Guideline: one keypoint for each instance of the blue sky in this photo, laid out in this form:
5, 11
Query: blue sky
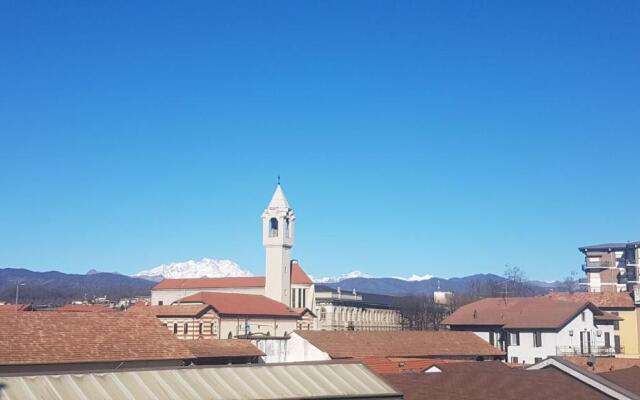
411, 137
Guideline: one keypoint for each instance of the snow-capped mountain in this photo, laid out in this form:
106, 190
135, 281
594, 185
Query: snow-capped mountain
415, 278
360, 274
338, 278
207, 267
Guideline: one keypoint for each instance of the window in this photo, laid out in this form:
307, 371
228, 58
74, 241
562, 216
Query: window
186, 328
607, 340
514, 339
212, 328
537, 339
200, 329
584, 316
514, 360
229, 336
160, 302
273, 227
175, 329
304, 298
537, 360
293, 298
492, 339
287, 233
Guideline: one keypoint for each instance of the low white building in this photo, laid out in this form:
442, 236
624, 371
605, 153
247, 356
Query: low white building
530, 329
337, 311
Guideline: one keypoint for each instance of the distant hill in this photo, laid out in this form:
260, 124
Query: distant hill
55, 287
401, 287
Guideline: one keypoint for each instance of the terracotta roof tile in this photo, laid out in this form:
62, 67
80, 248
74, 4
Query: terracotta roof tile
59, 337
390, 365
13, 308
242, 304
604, 300
183, 310
519, 312
628, 378
208, 348
85, 308
605, 364
298, 276
434, 344
483, 380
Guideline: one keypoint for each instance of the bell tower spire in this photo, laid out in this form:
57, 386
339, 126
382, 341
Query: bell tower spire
277, 238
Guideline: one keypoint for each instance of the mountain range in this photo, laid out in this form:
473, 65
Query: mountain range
207, 267
57, 287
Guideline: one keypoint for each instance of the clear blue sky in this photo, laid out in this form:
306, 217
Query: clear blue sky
447, 138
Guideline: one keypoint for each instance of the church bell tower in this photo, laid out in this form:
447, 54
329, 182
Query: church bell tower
277, 238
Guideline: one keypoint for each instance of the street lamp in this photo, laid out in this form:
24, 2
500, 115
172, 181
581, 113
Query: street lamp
18, 293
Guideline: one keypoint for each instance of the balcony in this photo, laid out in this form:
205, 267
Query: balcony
593, 350
590, 265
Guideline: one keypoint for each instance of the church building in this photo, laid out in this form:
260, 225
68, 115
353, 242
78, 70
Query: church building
285, 281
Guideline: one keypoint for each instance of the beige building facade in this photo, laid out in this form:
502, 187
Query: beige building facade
337, 311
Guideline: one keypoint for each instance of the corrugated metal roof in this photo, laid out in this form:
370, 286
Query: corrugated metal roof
291, 381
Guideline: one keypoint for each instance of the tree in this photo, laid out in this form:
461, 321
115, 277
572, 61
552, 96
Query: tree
516, 283
570, 283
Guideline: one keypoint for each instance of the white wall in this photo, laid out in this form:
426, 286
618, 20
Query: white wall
551, 341
294, 349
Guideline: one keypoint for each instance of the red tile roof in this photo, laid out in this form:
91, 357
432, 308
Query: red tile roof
182, 310
298, 276
628, 378
59, 337
491, 380
208, 348
605, 364
519, 312
85, 308
603, 300
433, 344
389, 365
242, 304
13, 308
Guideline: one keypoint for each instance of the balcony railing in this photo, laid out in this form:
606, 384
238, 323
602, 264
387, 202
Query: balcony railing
588, 351
595, 265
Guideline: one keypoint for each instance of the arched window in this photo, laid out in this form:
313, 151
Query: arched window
273, 227
229, 336
287, 232
285, 333
268, 333
175, 328
186, 328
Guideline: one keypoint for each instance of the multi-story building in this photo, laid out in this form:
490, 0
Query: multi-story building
338, 311
611, 267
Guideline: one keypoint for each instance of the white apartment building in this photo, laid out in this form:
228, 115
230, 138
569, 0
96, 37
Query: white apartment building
530, 329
